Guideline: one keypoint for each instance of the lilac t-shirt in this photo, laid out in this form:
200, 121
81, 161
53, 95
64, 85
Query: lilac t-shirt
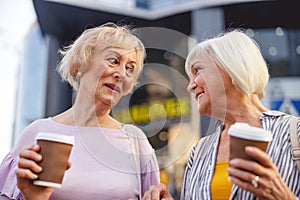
103, 165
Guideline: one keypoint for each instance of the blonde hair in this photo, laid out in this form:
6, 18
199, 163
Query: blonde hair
77, 56
239, 56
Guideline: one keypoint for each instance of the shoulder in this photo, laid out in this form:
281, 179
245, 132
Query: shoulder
276, 120
275, 116
35, 126
136, 131
27, 136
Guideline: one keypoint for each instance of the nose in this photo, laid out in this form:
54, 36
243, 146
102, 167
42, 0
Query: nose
120, 71
191, 86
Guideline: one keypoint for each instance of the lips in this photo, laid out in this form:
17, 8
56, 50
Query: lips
113, 87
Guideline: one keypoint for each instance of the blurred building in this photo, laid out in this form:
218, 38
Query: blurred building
31, 90
160, 104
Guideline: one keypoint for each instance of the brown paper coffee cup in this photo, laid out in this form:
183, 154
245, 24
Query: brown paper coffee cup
55, 150
242, 135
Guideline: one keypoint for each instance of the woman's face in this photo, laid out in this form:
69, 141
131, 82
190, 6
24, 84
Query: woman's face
111, 73
209, 85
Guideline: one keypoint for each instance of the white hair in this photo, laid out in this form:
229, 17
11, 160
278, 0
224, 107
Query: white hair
239, 56
77, 55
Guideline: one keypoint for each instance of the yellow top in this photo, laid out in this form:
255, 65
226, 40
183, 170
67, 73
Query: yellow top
220, 185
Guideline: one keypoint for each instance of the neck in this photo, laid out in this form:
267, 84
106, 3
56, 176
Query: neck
245, 109
87, 113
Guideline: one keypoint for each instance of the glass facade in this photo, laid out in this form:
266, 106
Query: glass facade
281, 49
31, 95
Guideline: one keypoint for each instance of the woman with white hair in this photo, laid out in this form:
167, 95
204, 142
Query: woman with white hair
228, 76
102, 65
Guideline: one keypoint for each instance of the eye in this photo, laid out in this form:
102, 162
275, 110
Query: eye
130, 69
113, 61
196, 69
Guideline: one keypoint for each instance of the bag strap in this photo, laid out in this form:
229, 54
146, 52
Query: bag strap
295, 149
135, 147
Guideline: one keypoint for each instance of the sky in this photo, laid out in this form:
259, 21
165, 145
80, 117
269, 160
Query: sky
16, 18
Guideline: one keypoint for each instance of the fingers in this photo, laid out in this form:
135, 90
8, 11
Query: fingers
263, 167
25, 174
157, 192
262, 190
259, 156
239, 166
27, 164
153, 193
248, 177
259, 185
31, 153
261, 178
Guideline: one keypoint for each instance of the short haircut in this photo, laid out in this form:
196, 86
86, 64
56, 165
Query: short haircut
239, 56
77, 55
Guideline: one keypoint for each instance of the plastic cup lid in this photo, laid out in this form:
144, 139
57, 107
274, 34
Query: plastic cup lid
55, 137
245, 131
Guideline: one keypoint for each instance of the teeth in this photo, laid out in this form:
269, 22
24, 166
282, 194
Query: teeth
200, 95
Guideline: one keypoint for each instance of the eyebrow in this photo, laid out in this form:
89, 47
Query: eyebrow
132, 62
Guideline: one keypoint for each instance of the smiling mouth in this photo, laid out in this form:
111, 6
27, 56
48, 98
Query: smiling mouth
113, 87
199, 95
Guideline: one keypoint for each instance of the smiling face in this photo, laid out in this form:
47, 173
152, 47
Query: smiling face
209, 86
111, 73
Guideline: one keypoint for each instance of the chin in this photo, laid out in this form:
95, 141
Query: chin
112, 103
202, 110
